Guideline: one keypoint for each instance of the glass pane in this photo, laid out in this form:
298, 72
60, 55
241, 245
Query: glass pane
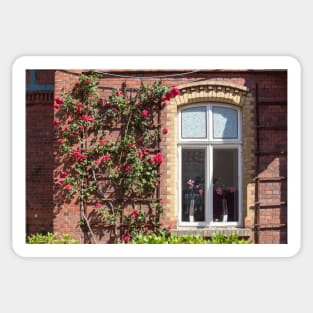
225, 123
225, 189
193, 184
193, 123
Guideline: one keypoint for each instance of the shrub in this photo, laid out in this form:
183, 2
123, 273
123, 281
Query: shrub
50, 238
194, 239
228, 239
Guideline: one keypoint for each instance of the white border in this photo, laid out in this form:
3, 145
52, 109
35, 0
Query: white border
156, 62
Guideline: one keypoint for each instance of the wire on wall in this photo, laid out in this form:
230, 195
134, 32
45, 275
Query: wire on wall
142, 77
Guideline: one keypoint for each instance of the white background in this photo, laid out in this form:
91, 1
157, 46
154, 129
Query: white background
154, 28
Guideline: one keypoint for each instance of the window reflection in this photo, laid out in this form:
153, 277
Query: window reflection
225, 191
193, 185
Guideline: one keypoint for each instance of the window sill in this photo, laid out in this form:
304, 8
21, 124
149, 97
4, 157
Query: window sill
209, 232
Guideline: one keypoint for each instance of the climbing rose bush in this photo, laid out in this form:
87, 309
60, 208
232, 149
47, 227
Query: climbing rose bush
124, 165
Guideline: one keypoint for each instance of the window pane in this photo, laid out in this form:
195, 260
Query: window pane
193, 122
225, 123
193, 184
225, 180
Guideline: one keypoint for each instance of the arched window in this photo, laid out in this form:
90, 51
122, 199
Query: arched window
209, 151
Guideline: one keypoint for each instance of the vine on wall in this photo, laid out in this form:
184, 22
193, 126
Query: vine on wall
109, 149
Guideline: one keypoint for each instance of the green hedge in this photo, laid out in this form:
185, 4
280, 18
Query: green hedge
50, 238
216, 239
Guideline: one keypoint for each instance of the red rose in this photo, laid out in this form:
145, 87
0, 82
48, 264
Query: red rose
87, 81
158, 159
56, 122
85, 118
127, 168
67, 187
77, 84
60, 141
63, 174
78, 155
106, 158
118, 93
144, 113
101, 100
59, 100
174, 91
134, 213
165, 131
126, 239
97, 205
166, 97
66, 128
79, 104
61, 181
80, 127
56, 106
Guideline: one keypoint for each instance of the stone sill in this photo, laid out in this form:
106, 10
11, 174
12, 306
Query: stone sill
209, 232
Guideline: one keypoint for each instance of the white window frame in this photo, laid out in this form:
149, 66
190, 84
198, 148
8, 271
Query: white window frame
208, 144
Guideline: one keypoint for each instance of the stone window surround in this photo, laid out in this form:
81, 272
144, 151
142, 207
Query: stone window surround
224, 92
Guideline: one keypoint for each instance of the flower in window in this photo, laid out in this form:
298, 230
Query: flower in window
200, 190
190, 183
219, 191
232, 189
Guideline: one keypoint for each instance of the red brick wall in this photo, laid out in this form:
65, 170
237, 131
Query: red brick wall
271, 217
39, 152
270, 89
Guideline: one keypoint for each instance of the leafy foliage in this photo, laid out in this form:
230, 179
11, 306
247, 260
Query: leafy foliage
109, 146
216, 239
50, 238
